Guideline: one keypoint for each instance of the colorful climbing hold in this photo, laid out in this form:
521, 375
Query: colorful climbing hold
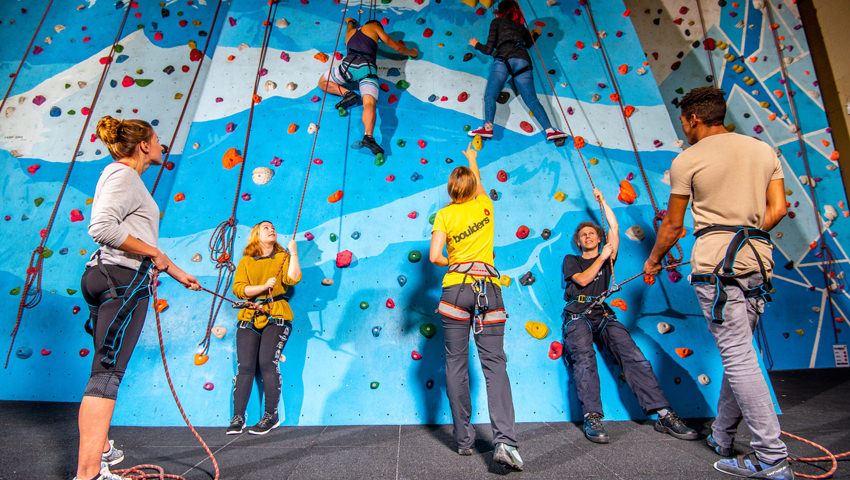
428, 330
619, 303
556, 349
414, 256
502, 176
684, 352
477, 142
538, 330
209, 386
415, 355
231, 158
343, 259
390, 303
522, 232
526, 127
578, 142
84, 352
627, 193
335, 197
77, 216
649, 279
201, 359
560, 196
160, 305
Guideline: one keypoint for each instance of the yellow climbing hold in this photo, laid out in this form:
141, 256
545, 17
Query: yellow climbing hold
764, 104
505, 280
594, 161
477, 142
560, 196
537, 330
470, 3
799, 331
89, 201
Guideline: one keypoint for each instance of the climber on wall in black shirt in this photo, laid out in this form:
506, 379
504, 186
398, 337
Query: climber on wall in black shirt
588, 319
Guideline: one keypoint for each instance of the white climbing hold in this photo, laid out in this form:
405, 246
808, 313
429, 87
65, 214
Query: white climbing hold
758, 4
636, 233
663, 327
197, 257
58, 28
830, 212
282, 357
9, 111
281, 23
218, 331
196, 146
291, 86
312, 128
551, 3
805, 180
679, 143
665, 179
262, 175
270, 85
242, 46
703, 379
640, 71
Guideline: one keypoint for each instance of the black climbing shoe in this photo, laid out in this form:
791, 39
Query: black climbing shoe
727, 452
464, 451
237, 424
594, 430
370, 143
265, 425
672, 424
508, 456
348, 100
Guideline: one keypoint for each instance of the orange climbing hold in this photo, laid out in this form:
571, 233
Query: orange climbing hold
321, 56
179, 197
578, 142
292, 128
335, 197
201, 359
160, 305
619, 303
231, 158
628, 110
834, 156
623, 69
627, 193
684, 352
649, 279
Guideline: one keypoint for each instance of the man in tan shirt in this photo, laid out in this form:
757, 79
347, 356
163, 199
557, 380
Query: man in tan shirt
738, 193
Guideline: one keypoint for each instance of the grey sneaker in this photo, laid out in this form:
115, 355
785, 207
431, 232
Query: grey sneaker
464, 451
105, 474
508, 456
748, 466
114, 456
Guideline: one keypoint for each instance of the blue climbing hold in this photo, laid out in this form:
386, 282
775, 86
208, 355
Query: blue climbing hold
432, 98
402, 280
416, 177
376, 330
113, 83
393, 72
55, 112
355, 235
155, 122
121, 58
23, 353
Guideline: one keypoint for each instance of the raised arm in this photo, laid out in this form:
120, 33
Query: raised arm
777, 206
613, 233
471, 155
396, 45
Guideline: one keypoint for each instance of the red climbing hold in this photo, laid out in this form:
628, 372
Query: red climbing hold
76, 215
709, 44
75, 310
318, 161
526, 127
415, 355
556, 349
385, 87
422, 143
335, 197
578, 142
427, 33
84, 352
390, 178
579, 44
462, 97
105, 60
623, 69
628, 110
392, 98
157, 36
390, 303
343, 259
179, 197
127, 81
33, 168
649, 279
45, 352
522, 232
502, 176
684, 352
195, 55
412, 215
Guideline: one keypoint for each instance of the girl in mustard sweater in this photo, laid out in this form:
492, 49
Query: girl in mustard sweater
262, 277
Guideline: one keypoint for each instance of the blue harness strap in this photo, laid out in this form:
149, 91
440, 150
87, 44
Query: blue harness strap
723, 275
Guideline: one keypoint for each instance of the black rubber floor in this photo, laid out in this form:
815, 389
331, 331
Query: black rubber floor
39, 442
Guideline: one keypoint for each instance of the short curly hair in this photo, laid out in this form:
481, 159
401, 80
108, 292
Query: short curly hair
582, 225
707, 103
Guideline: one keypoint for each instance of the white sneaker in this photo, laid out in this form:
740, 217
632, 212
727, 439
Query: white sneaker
114, 456
105, 474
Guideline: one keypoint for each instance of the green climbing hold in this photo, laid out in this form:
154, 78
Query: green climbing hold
71, 291
342, 112
401, 142
364, 305
449, 33
144, 82
427, 330
119, 48
15, 291
414, 256
38, 201
402, 84
467, 128
47, 253
379, 159
332, 237
680, 90
432, 218
375, 385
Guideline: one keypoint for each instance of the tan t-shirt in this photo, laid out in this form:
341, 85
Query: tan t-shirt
727, 176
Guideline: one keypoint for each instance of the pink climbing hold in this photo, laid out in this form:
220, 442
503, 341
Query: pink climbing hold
422, 143
556, 349
630, 176
230, 127
39, 99
37, 49
502, 176
390, 303
343, 259
45, 352
246, 196
76, 215
232, 21
385, 21
337, 56
526, 127
318, 161
412, 215
522, 232
462, 97
157, 36
284, 56
427, 33
315, 98
309, 236
392, 98
390, 178
674, 276
415, 355
209, 386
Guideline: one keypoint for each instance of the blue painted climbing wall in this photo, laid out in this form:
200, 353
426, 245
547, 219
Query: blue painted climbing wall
333, 359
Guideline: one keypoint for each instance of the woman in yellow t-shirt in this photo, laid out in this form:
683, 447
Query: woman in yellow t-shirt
472, 297
262, 277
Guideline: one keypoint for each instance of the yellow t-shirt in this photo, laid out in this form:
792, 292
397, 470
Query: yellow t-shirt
255, 271
469, 229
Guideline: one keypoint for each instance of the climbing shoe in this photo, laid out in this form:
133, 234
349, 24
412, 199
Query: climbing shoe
672, 424
594, 430
105, 474
370, 143
348, 100
464, 451
554, 135
114, 456
749, 466
265, 425
483, 132
508, 456
722, 451
237, 424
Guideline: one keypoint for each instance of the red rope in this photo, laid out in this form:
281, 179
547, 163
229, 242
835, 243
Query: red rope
34, 268
830, 457
138, 472
659, 214
188, 97
318, 125
26, 54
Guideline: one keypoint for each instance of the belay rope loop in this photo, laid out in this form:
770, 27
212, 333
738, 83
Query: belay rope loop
31, 293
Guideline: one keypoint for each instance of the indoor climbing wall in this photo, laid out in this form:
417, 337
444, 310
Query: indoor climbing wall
366, 346
739, 50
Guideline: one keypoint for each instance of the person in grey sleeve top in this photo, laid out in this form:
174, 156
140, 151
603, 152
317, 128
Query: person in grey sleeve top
116, 283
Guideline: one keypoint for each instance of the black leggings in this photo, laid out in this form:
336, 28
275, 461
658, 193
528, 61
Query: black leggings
264, 347
112, 352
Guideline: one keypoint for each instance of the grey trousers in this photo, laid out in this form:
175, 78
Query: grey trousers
743, 393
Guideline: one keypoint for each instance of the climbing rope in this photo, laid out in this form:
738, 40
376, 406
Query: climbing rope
318, 125
31, 293
26, 54
714, 80
138, 472
659, 214
188, 98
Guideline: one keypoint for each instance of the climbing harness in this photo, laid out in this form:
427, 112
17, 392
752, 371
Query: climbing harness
482, 273
723, 275
26, 54
31, 293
